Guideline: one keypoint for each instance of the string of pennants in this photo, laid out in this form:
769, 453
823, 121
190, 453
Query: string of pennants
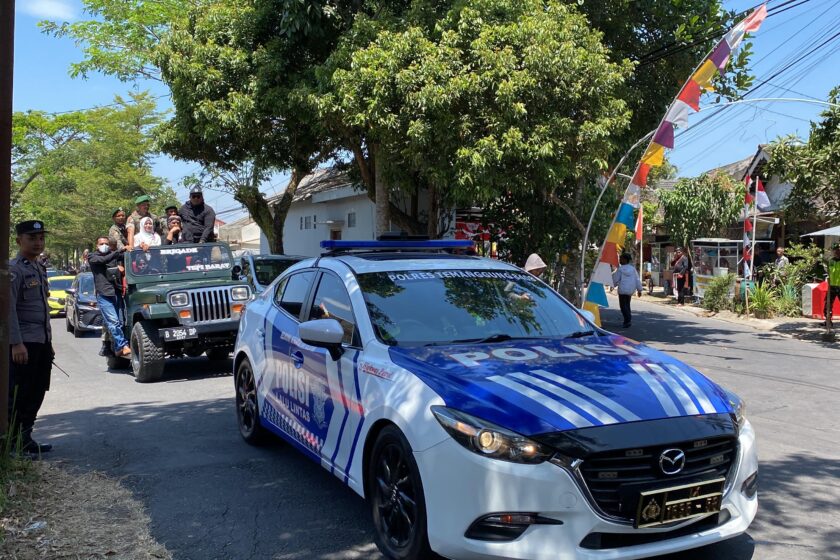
687, 100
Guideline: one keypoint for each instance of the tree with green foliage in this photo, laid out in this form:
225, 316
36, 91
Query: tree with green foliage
389, 83
701, 206
72, 170
812, 167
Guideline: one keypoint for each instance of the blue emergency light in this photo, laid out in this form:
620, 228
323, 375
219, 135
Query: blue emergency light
331, 245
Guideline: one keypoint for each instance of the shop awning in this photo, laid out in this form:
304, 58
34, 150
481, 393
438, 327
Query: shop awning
830, 231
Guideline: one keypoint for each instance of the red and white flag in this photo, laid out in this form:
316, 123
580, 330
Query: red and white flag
640, 225
762, 201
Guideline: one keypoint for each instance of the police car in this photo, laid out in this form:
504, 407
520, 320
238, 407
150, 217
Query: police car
483, 416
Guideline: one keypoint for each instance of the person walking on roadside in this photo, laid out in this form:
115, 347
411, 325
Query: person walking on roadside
132, 226
682, 269
118, 233
197, 218
30, 336
833, 282
535, 265
108, 296
626, 278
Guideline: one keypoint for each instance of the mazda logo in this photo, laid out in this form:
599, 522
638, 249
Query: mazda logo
672, 461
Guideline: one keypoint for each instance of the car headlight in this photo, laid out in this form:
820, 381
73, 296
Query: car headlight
179, 299
739, 408
240, 293
488, 439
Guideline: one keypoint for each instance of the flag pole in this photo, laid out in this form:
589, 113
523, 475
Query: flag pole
752, 244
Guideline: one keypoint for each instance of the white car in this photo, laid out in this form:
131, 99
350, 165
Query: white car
483, 416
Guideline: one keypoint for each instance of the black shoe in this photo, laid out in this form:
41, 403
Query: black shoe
34, 447
625, 326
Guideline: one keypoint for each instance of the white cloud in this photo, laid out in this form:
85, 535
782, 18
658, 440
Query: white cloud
48, 9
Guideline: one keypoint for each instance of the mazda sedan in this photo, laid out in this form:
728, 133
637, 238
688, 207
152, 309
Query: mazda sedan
482, 416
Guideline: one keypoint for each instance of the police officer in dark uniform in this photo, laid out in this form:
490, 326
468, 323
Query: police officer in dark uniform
30, 337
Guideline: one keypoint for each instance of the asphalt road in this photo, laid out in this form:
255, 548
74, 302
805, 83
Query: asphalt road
211, 496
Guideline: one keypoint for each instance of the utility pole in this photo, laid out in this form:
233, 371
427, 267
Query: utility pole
7, 51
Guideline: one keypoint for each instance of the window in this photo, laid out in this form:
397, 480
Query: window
301, 222
314, 222
351, 219
332, 302
294, 290
418, 307
307, 222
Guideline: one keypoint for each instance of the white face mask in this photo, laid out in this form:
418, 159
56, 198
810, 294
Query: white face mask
103, 248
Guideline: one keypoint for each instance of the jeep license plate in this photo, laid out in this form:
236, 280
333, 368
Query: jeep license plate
175, 334
660, 507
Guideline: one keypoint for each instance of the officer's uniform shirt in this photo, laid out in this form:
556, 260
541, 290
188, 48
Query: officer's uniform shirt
29, 315
118, 235
134, 218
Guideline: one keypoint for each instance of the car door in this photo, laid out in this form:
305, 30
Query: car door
336, 408
286, 401
70, 302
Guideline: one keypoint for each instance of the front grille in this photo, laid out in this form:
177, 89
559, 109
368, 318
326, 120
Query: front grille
93, 318
211, 304
615, 478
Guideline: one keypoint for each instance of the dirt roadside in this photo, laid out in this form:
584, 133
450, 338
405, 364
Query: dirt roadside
56, 514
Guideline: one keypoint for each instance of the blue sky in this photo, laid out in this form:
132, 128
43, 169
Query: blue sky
42, 82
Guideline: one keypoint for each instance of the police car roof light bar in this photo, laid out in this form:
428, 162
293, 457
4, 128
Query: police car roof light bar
344, 246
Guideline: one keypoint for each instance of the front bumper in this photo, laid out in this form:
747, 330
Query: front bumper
476, 486
56, 309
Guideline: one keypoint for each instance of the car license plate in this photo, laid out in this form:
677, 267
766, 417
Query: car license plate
175, 334
663, 506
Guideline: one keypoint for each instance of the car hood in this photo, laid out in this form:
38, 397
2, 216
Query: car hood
538, 386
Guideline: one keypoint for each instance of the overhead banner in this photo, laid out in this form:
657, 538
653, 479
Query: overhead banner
686, 101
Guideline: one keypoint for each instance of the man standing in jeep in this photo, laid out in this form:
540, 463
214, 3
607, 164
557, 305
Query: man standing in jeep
197, 218
107, 296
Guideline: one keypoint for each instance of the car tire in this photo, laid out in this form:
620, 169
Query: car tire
218, 354
77, 332
395, 495
115, 362
194, 352
69, 324
147, 359
247, 405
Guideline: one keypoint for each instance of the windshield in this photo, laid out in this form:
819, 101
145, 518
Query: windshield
86, 284
462, 306
179, 259
60, 284
266, 269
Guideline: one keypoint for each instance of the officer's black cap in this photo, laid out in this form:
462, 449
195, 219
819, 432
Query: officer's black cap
30, 226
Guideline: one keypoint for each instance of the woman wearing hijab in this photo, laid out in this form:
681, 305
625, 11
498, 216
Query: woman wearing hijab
146, 237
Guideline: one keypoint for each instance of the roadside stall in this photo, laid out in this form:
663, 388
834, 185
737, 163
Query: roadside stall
661, 254
712, 257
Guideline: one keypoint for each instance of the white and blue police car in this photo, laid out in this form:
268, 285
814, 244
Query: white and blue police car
483, 416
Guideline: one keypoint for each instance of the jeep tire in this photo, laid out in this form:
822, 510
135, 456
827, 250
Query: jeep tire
147, 358
218, 354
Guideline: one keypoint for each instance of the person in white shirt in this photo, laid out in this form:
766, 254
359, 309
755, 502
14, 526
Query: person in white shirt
626, 278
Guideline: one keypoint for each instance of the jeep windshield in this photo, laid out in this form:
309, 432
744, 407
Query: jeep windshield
179, 259
431, 307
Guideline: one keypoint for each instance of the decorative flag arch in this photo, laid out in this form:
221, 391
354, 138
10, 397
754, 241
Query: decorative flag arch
687, 100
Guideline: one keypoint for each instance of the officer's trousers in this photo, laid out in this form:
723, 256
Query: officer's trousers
28, 383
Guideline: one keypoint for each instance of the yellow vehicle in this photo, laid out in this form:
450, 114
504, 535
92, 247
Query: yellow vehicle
58, 285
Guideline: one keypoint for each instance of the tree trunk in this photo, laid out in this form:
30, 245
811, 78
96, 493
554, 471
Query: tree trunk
434, 217
282, 206
382, 197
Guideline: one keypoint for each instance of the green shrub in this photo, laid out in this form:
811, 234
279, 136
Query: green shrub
762, 302
716, 295
787, 301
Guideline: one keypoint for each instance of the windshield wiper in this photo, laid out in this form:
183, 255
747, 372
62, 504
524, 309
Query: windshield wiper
497, 337
580, 334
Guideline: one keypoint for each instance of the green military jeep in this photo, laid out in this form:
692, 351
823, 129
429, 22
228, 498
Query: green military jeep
181, 300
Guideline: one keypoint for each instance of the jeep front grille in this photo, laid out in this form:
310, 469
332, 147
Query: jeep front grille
210, 304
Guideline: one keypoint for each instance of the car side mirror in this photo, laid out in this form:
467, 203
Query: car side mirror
236, 272
323, 333
70, 291
588, 314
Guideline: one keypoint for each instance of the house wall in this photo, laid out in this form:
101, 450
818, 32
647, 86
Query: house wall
299, 240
